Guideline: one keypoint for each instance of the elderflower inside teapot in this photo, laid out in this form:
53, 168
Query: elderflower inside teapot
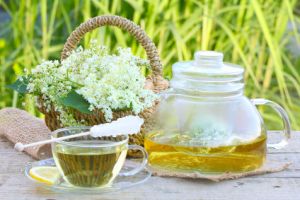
205, 123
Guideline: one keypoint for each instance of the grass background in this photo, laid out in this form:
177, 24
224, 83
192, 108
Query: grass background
261, 35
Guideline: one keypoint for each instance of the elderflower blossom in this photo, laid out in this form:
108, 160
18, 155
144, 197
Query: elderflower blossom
108, 82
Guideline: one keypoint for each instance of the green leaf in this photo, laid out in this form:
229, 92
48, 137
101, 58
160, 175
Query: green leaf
76, 101
20, 85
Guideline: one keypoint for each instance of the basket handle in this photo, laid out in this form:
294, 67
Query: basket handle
126, 25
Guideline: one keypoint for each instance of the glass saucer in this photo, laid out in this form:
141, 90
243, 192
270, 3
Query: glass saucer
121, 182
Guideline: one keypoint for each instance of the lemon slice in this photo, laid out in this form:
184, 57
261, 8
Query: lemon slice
48, 175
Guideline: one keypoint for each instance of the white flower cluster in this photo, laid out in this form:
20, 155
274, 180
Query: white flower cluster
109, 82
47, 80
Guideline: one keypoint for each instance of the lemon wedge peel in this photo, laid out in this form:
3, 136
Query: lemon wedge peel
47, 175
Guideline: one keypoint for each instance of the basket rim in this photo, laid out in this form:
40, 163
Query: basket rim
125, 24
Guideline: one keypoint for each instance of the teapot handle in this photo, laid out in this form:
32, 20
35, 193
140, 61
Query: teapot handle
286, 122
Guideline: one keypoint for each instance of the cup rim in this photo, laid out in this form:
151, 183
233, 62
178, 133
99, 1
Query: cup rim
86, 146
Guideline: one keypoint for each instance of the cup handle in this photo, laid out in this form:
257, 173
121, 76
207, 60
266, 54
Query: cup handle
286, 122
141, 166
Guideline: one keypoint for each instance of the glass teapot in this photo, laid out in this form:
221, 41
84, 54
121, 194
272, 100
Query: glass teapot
205, 123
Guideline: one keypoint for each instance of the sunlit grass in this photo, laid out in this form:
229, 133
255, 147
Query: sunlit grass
250, 33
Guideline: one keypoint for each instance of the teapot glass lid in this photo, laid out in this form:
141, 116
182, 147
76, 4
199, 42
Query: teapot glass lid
208, 73
207, 63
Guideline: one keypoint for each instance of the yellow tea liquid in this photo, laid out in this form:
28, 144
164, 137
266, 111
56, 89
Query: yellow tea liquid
236, 158
89, 167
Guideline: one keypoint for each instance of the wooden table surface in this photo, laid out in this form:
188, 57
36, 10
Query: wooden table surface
283, 185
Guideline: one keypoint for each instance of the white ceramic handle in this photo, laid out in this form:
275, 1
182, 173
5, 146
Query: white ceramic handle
284, 117
141, 166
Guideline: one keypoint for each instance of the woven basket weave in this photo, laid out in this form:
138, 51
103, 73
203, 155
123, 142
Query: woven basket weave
154, 82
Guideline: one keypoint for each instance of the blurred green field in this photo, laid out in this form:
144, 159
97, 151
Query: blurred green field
261, 35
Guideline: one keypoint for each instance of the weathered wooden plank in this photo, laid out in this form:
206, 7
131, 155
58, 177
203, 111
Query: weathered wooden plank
282, 185
170, 188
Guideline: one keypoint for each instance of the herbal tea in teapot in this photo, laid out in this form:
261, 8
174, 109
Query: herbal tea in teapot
205, 123
170, 153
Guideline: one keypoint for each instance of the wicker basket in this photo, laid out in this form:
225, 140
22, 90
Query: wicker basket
154, 82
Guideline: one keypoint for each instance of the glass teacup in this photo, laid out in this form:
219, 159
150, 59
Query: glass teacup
92, 162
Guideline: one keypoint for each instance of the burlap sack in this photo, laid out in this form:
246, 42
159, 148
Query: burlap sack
19, 126
270, 166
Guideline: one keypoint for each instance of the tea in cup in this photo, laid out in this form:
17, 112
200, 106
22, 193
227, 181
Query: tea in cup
92, 161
